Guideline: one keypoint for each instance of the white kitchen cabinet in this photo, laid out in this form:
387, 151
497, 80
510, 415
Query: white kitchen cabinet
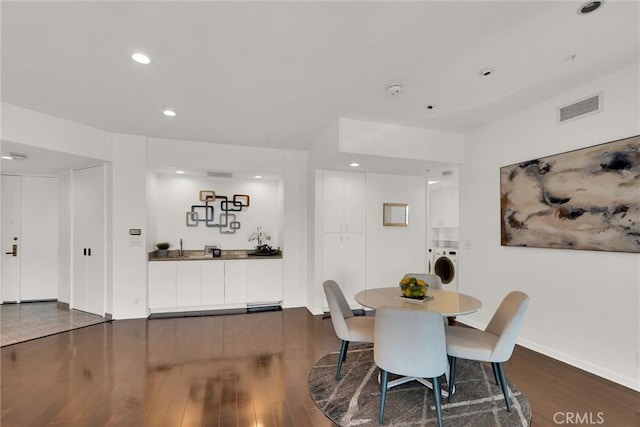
89, 237
162, 284
195, 285
264, 281
188, 283
343, 247
344, 261
343, 201
235, 281
212, 283
444, 208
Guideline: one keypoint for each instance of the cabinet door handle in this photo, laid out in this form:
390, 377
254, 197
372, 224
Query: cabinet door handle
89, 251
84, 252
14, 251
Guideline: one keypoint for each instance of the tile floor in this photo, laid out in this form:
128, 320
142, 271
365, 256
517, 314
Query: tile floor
29, 320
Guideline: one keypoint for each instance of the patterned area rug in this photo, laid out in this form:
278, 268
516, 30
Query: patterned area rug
354, 400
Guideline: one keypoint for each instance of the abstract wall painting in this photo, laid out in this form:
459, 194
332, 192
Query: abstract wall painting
586, 199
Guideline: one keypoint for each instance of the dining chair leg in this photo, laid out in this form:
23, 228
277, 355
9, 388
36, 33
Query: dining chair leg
505, 388
438, 398
496, 375
342, 357
452, 375
384, 378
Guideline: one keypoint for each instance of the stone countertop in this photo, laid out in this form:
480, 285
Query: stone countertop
199, 255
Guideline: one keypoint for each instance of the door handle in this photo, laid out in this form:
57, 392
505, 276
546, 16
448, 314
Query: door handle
14, 251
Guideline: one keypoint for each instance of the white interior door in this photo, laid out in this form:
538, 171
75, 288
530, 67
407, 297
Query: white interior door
88, 249
39, 249
11, 195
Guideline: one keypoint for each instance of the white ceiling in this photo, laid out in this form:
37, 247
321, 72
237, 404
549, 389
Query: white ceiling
40, 161
277, 74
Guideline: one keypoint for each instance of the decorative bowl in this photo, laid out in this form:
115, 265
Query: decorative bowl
413, 288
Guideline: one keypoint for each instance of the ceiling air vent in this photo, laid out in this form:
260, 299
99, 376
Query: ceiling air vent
582, 108
220, 174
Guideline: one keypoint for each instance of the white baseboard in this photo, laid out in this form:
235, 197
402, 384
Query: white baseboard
315, 311
626, 381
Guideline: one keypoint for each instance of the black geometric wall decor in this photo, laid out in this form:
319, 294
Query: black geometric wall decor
227, 223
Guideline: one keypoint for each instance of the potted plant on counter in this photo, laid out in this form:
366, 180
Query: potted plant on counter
162, 249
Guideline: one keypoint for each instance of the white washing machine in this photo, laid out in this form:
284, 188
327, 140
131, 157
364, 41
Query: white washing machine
430, 260
445, 265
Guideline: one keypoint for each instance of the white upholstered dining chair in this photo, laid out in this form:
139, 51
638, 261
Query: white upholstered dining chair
495, 344
349, 328
410, 343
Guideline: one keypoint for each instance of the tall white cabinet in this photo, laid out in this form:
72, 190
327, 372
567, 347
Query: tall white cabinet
344, 226
89, 240
444, 208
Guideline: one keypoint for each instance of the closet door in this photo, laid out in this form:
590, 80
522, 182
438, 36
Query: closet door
89, 240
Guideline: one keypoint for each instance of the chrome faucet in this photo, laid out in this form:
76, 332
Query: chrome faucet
180, 253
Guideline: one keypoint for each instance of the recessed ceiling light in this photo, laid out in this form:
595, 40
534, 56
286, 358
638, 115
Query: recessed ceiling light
141, 58
6, 157
433, 182
589, 7
486, 72
168, 112
258, 176
354, 165
180, 172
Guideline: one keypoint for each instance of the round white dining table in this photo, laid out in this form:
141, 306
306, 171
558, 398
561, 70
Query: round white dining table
447, 303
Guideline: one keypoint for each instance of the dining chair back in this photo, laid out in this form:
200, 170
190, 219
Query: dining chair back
348, 328
410, 343
505, 324
495, 344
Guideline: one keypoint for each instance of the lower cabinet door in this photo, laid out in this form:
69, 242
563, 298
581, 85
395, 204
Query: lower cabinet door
162, 284
188, 283
264, 281
235, 282
212, 283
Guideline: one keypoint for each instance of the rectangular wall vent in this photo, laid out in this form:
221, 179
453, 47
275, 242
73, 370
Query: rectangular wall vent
582, 108
220, 174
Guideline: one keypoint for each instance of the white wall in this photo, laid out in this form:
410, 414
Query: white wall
213, 157
584, 304
42, 130
64, 237
294, 229
379, 139
394, 251
127, 297
177, 193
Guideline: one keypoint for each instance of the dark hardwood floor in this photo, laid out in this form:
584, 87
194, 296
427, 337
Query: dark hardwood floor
236, 370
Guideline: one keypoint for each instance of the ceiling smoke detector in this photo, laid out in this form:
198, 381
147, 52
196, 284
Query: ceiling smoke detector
394, 89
